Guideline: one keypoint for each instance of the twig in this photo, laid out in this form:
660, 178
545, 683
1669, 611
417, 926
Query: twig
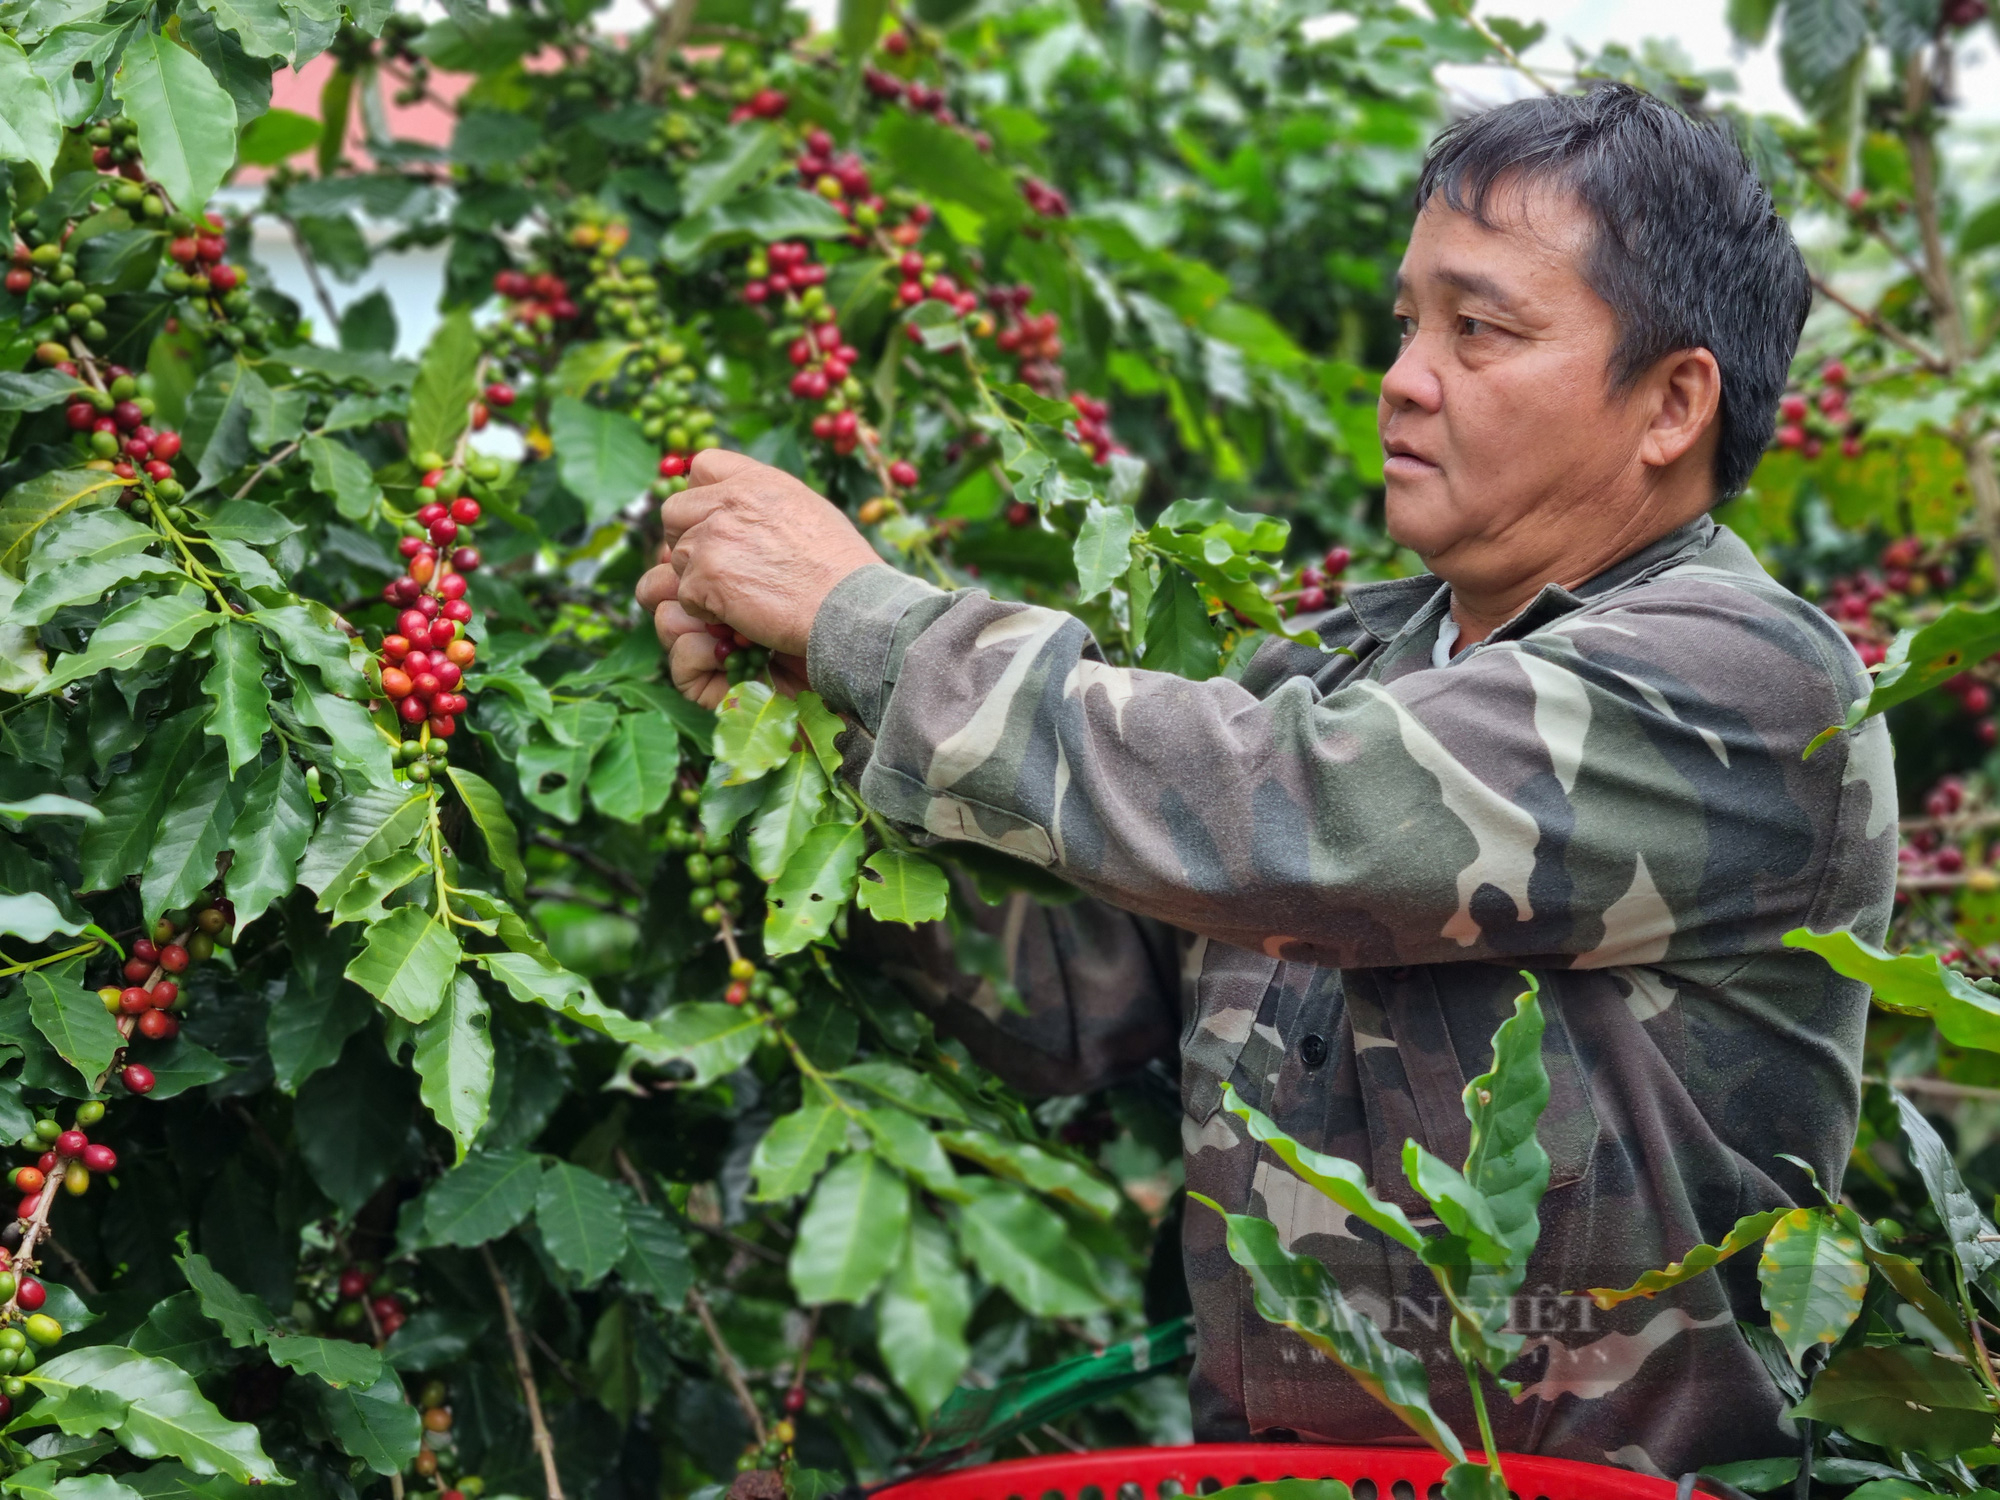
728, 1362
1941, 1088
544, 1444
76, 1270
1889, 331
736, 1241
562, 1365
313, 276
266, 467
620, 878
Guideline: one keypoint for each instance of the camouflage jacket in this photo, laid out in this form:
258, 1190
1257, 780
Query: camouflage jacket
1367, 848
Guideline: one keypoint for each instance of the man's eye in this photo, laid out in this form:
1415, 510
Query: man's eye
1406, 326
1471, 327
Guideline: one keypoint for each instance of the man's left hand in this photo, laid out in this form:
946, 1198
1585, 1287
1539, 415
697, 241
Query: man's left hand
752, 548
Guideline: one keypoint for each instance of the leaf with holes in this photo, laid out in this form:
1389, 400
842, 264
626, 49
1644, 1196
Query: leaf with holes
817, 883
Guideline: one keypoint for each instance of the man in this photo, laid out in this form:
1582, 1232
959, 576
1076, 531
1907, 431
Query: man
1575, 747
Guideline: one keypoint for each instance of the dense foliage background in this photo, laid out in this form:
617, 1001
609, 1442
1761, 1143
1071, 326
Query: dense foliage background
474, 1123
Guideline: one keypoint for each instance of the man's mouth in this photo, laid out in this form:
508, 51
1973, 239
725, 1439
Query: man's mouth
1403, 461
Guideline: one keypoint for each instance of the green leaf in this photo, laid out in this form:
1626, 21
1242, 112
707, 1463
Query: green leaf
441, 397
50, 805
307, 634
40, 1481
851, 1233
906, 1142
736, 157
586, 366
1901, 1397
34, 916
1818, 50
921, 1317
1286, 1489
38, 390
1103, 548
482, 1198
342, 475
822, 727
88, 573
911, 889
1026, 1249
358, 831
1912, 984
859, 24
337, 1362
374, 1423
165, 1415
634, 773
581, 1220
1338, 1178
407, 962
169, 621
795, 798
904, 1087
503, 841
242, 702
1042, 1170
277, 136
656, 1257
754, 729
260, 25
793, 1152
195, 830
187, 121
454, 1061
816, 884
1296, 1291
537, 980
73, 1019
1813, 1276
1179, 638
176, 1331
242, 1316
270, 837
181, 1065
30, 129
1967, 1227
132, 805
603, 457
1747, 1231
772, 213
34, 504
938, 162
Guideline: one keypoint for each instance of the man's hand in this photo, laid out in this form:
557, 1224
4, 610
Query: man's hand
750, 547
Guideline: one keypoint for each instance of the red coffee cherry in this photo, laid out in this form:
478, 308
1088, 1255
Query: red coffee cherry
167, 446
137, 969
31, 1294
29, 1179
71, 1143
174, 958
158, 1025
102, 1158
466, 559
353, 1283
133, 999
165, 993
138, 1078
465, 510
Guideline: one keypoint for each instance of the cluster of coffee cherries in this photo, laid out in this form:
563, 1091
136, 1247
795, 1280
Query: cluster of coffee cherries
66, 1157
1976, 699
539, 300
423, 660
112, 424
434, 1402
148, 999
364, 1291
917, 97
760, 1470
841, 178
924, 279
1033, 339
737, 654
1808, 421
1318, 584
750, 985
717, 892
1856, 600
1046, 201
1929, 850
760, 104
46, 275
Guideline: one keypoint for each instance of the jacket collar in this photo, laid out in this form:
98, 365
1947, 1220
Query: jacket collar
1388, 608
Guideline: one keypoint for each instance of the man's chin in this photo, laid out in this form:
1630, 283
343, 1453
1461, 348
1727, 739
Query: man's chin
1418, 514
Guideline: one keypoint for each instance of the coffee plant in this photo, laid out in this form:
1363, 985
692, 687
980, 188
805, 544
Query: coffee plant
489, 1084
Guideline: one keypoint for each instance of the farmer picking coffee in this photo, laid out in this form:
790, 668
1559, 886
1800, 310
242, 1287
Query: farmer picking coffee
1573, 747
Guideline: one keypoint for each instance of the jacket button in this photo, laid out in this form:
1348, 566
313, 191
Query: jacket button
1312, 1049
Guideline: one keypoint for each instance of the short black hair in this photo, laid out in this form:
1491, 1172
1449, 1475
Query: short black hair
1690, 252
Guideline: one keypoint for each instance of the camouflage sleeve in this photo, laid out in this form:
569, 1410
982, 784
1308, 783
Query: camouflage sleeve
1623, 787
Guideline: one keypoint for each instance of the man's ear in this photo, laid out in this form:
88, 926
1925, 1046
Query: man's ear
1685, 392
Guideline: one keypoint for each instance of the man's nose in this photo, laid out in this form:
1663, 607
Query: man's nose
1412, 381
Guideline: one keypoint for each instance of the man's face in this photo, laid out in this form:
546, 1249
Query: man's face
1500, 425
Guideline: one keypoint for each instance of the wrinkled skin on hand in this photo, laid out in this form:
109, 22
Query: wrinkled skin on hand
750, 547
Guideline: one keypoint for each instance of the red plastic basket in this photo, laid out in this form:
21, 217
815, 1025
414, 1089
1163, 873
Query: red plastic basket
1162, 1473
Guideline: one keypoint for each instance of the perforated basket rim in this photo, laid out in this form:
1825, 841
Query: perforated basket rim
1066, 1474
